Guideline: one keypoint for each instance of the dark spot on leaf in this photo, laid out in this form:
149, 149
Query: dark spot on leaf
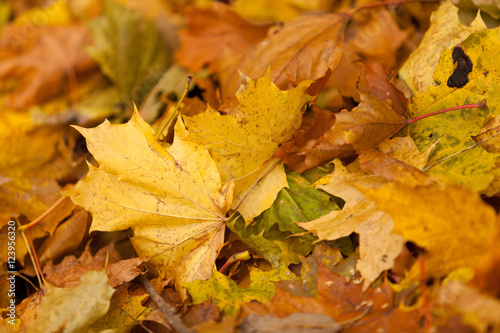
464, 66
430, 135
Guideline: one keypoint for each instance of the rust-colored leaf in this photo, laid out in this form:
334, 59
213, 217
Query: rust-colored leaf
211, 30
302, 49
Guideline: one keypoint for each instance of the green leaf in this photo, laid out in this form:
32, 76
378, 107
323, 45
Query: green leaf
274, 234
129, 51
229, 297
473, 168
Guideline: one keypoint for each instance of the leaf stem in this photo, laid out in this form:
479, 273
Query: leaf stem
245, 255
480, 105
44, 215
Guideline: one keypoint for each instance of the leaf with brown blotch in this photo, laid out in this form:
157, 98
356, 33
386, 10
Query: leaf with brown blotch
172, 197
43, 64
302, 49
210, 30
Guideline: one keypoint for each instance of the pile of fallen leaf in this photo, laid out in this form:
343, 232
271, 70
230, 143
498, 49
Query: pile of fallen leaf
257, 166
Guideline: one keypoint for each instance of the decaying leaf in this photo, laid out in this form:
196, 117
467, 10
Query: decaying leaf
338, 298
362, 128
69, 271
42, 66
171, 198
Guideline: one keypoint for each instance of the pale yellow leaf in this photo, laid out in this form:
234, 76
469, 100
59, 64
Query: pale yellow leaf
171, 198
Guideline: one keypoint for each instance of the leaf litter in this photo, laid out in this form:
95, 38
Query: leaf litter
300, 180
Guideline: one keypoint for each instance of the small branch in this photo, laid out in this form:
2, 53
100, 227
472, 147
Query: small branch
168, 310
480, 105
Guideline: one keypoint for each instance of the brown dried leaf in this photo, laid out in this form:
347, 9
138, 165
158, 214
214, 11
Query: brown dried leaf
302, 49
44, 62
209, 31
392, 169
371, 36
67, 273
362, 128
381, 85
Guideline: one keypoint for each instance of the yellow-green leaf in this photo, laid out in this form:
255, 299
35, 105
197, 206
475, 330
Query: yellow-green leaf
445, 32
229, 297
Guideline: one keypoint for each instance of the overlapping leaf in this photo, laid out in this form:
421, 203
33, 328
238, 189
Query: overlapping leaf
171, 198
273, 233
242, 143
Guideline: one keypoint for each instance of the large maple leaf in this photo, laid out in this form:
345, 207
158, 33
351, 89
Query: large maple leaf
171, 198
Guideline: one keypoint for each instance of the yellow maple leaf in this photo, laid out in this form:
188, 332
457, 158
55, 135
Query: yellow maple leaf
171, 198
242, 142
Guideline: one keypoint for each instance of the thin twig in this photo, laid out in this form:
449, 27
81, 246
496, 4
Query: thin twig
168, 310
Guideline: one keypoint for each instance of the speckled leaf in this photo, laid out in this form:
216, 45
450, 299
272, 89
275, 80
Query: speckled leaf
453, 130
171, 198
124, 313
